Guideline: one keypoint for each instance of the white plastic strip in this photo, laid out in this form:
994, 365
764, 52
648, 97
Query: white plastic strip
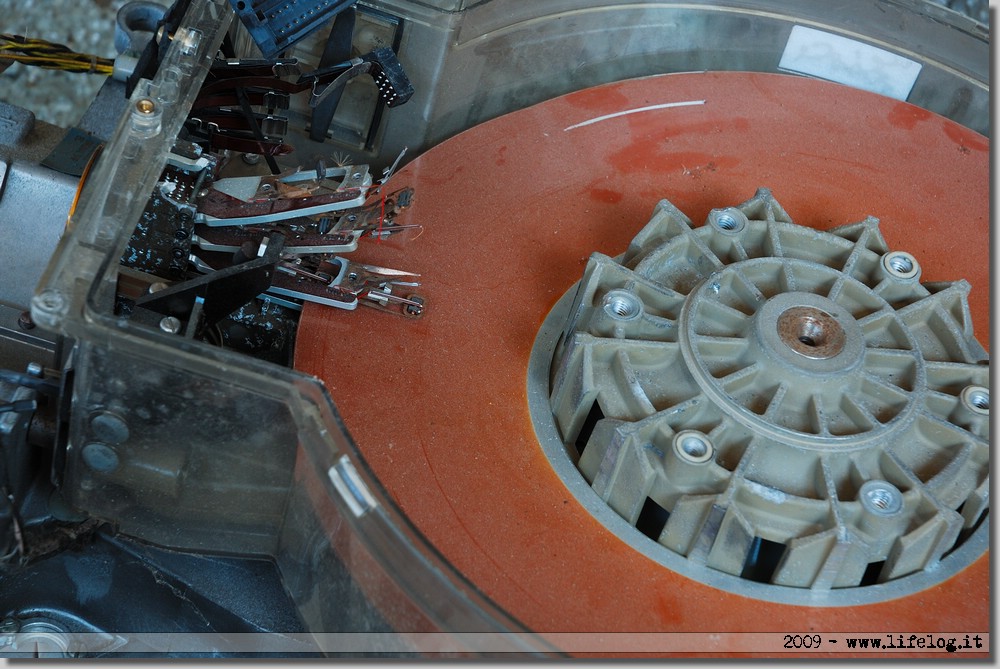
849, 62
638, 110
352, 489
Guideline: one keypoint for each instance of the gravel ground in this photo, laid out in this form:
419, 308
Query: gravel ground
87, 26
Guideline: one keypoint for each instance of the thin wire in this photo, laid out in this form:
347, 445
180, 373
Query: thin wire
51, 55
79, 186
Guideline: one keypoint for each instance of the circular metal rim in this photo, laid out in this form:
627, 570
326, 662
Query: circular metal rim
549, 336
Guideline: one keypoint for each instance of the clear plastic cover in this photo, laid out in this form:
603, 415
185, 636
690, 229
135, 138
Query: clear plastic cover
197, 448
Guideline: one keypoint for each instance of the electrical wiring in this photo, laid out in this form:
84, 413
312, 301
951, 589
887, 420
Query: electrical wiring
50, 55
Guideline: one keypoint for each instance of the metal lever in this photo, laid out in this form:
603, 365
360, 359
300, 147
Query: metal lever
343, 284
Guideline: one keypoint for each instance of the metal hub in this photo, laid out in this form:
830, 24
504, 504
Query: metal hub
776, 403
811, 332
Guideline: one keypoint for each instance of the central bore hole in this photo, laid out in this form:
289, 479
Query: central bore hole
811, 332
694, 447
621, 305
901, 264
880, 499
727, 222
980, 400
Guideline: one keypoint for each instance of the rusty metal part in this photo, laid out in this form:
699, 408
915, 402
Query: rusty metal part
301, 235
258, 200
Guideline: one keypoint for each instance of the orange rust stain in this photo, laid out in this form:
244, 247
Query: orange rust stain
606, 195
610, 97
714, 126
660, 156
966, 138
906, 116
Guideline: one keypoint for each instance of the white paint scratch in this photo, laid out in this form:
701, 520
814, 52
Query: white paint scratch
767, 492
668, 105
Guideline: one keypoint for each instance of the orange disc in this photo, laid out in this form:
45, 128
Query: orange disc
512, 209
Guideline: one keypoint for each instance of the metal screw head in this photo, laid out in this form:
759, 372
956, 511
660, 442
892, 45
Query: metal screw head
24, 321
730, 221
100, 457
901, 265
880, 498
49, 301
109, 427
622, 305
145, 106
693, 446
977, 399
170, 325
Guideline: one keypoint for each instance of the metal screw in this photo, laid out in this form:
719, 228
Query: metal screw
693, 446
881, 498
170, 325
49, 301
109, 427
24, 321
729, 220
901, 265
622, 305
977, 399
100, 457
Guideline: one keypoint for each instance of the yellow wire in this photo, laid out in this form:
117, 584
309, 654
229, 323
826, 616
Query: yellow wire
34, 51
79, 186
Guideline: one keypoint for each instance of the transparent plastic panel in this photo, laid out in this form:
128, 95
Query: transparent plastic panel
197, 448
115, 194
494, 57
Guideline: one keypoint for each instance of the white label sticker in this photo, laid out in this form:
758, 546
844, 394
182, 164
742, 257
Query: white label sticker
849, 62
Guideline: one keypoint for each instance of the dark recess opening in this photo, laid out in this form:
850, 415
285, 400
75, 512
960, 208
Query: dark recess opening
593, 417
871, 573
966, 532
762, 560
652, 519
